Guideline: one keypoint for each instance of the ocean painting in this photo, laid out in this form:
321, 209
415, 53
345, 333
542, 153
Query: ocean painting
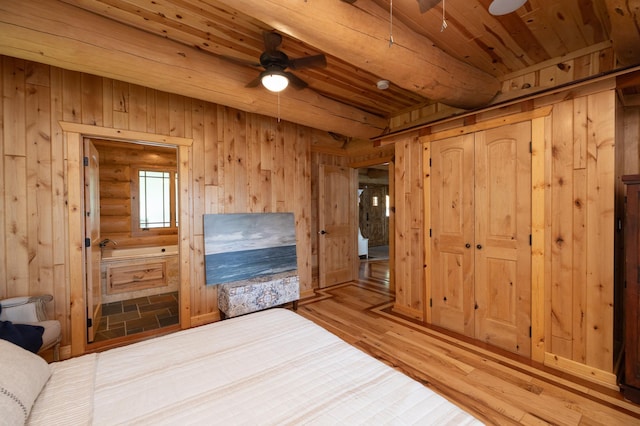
244, 246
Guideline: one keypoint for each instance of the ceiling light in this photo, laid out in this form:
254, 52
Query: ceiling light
502, 7
274, 80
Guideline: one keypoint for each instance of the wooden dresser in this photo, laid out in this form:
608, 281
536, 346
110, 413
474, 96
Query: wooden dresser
631, 380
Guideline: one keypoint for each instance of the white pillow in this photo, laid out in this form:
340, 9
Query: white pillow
22, 377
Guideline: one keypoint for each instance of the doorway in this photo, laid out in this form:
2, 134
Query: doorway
374, 214
135, 278
74, 134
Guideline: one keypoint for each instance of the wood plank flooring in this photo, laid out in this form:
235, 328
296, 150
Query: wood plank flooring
497, 387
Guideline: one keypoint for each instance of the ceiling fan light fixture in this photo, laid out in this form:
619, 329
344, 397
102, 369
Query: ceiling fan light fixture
503, 7
274, 80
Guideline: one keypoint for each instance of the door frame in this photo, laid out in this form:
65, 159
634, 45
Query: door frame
390, 160
93, 253
74, 135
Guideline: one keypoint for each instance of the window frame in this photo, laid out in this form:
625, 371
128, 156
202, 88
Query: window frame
136, 230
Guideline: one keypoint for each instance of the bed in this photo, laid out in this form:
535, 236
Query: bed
269, 367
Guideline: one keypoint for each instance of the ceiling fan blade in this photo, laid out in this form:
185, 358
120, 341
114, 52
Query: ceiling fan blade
255, 82
271, 41
296, 82
240, 61
308, 62
426, 5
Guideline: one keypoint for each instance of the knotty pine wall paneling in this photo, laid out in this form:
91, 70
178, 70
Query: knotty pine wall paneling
240, 162
581, 223
409, 227
575, 180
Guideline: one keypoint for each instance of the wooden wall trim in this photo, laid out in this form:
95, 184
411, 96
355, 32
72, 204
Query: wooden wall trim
426, 209
489, 124
76, 267
371, 162
539, 127
592, 374
123, 135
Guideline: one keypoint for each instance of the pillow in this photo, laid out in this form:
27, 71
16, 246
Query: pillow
22, 377
26, 336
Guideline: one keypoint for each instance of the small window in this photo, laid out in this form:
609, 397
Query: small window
154, 201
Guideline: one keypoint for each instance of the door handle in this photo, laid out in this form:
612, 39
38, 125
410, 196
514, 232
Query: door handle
323, 232
467, 245
479, 246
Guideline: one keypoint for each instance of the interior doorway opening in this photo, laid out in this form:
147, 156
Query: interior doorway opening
375, 219
136, 281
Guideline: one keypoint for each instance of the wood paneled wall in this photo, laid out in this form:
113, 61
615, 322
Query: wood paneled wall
409, 227
574, 169
580, 221
240, 162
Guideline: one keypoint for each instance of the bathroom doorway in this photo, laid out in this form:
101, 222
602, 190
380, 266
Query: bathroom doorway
138, 280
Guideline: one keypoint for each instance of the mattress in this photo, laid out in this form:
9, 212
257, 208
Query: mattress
269, 367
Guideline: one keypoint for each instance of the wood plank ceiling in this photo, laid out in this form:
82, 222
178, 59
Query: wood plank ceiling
461, 65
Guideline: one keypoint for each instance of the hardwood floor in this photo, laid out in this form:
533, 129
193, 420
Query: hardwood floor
496, 387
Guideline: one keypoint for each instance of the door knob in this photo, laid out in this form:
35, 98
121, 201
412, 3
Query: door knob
467, 245
323, 232
479, 246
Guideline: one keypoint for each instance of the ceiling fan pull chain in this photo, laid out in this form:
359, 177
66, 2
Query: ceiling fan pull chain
390, 23
444, 22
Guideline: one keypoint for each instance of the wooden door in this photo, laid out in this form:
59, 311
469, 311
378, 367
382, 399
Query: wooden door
337, 239
452, 219
92, 234
502, 237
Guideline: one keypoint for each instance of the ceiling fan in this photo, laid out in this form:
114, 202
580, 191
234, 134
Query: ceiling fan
275, 63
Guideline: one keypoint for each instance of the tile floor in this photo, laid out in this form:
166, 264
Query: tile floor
137, 315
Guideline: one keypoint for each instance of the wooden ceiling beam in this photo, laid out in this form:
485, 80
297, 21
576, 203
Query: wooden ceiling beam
625, 21
61, 35
359, 34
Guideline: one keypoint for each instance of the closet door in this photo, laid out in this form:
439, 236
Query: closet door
452, 218
502, 237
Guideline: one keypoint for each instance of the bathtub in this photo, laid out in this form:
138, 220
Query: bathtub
139, 252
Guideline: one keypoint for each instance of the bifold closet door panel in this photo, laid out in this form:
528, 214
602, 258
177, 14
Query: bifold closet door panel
452, 219
502, 237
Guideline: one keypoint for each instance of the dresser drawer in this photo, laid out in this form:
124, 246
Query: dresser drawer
138, 276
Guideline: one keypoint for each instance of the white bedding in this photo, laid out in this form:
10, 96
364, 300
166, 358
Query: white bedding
270, 367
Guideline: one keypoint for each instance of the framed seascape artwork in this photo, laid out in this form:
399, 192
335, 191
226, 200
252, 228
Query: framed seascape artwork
244, 246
